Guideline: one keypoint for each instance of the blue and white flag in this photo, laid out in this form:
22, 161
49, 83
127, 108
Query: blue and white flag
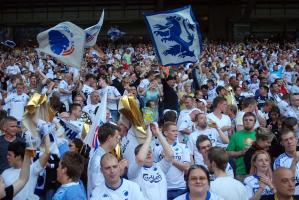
9, 43
115, 33
176, 36
65, 42
92, 137
70, 130
93, 32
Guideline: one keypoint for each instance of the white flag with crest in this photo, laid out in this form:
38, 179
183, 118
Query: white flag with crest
65, 42
93, 32
176, 36
92, 138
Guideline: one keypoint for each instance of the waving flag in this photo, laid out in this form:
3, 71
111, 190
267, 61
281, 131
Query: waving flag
71, 131
93, 32
92, 137
176, 36
65, 42
115, 33
9, 43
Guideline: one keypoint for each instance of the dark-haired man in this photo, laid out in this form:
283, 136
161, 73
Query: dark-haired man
15, 157
68, 174
113, 96
240, 142
223, 183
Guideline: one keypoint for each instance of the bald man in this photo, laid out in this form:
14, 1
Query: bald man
284, 182
115, 187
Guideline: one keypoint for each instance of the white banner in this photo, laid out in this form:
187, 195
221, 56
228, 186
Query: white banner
92, 138
65, 42
93, 32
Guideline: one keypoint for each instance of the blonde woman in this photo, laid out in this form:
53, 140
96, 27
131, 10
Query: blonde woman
259, 183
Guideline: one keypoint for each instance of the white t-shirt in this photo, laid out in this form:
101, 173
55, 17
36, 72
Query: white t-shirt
213, 136
64, 97
228, 188
94, 174
87, 90
224, 121
184, 122
294, 89
144, 83
152, 180
174, 176
13, 69
90, 109
16, 104
78, 124
284, 160
252, 185
112, 92
127, 190
210, 196
10, 175
248, 93
254, 87
239, 119
128, 145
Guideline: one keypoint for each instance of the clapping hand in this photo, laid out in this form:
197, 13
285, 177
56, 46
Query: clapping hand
154, 129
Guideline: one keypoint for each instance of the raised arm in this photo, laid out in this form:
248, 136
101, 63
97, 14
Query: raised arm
45, 157
166, 147
141, 156
24, 175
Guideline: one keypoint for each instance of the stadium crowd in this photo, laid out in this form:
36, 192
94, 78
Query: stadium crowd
225, 127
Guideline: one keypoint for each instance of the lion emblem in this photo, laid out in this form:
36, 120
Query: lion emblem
172, 31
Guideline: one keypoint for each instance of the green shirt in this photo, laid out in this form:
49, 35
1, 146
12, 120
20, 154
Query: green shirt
238, 142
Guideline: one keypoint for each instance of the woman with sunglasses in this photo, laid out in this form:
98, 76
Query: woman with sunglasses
198, 183
259, 183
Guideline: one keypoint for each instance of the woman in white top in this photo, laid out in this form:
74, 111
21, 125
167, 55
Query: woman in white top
259, 183
198, 183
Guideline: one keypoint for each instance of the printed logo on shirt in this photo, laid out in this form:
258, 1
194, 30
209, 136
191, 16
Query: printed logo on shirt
152, 178
124, 147
126, 194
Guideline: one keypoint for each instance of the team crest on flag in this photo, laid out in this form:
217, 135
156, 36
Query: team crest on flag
93, 32
176, 36
65, 42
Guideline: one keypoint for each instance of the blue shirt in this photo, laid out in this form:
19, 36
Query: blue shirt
70, 191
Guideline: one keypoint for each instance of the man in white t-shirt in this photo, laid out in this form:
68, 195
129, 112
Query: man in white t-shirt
249, 105
176, 184
222, 121
75, 114
113, 96
108, 139
216, 136
114, 187
186, 125
66, 88
290, 158
91, 107
203, 145
223, 183
12, 69
148, 175
189, 104
15, 156
16, 102
87, 86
